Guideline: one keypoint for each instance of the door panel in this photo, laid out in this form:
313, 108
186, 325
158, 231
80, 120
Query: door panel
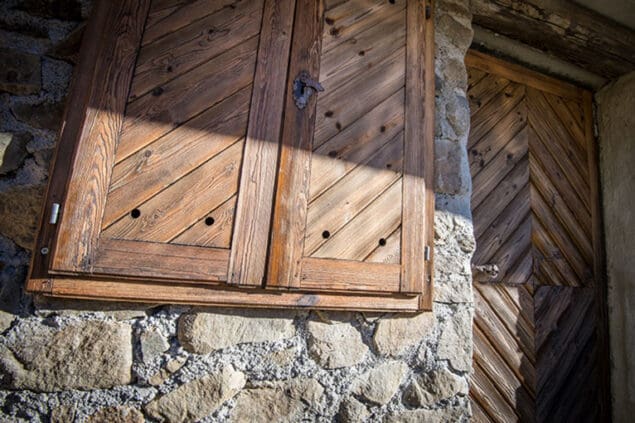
537, 350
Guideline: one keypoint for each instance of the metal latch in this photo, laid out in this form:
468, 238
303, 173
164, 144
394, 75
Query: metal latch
426, 253
55, 212
303, 88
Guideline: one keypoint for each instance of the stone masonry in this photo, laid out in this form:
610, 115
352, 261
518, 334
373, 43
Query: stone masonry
80, 361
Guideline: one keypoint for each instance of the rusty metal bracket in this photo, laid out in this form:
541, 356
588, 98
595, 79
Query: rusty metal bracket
303, 88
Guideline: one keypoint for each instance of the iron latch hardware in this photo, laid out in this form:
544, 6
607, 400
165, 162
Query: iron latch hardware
426, 253
303, 88
55, 212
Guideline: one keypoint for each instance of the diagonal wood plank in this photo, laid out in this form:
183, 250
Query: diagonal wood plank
212, 230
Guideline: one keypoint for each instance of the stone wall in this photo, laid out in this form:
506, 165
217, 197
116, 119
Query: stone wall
616, 120
66, 361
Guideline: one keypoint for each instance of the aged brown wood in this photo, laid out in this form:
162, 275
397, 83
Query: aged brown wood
257, 181
537, 350
70, 131
564, 29
171, 293
291, 201
343, 275
418, 172
90, 173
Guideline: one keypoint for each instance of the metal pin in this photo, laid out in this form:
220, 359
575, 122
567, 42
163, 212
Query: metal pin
55, 212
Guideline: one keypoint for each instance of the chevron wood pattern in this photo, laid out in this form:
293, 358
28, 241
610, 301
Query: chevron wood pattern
358, 142
177, 165
536, 355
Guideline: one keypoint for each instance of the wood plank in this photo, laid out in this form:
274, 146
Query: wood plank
521, 75
354, 146
79, 226
258, 174
344, 200
599, 262
549, 166
170, 293
361, 235
180, 205
389, 252
560, 237
291, 201
69, 135
553, 268
474, 76
418, 178
161, 261
191, 46
572, 124
488, 396
167, 16
515, 185
345, 20
212, 230
151, 116
489, 116
515, 392
504, 161
563, 29
342, 275
367, 49
485, 90
338, 109
177, 153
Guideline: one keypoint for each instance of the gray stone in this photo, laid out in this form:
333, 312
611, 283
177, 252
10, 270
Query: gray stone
430, 388
170, 368
205, 332
153, 344
5, 320
41, 116
455, 341
452, 177
380, 384
19, 212
352, 411
21, 72
440, 415
13, 150
335, 344
117, 415
280, 402
198, 398
63, 414
86, 355
396, 333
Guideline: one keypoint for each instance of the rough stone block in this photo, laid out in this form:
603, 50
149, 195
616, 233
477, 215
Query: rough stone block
13, 150
455, 342
352, 411
21, 72
205, 332
394, 334
380, 384
19, 211
41, 116
452, 175
153, 344
86, 355
117, 415
280, 402
430, 388
439, 415
335, 344
198, 398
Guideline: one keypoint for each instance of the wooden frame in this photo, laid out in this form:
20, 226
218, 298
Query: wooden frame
71, 260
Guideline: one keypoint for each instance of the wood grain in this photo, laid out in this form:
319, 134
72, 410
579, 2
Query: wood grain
349, 276
258, 174
83, 207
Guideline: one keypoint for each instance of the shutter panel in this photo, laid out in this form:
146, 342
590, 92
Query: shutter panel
168, 118
354, 200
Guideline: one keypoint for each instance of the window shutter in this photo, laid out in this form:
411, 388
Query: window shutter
354, 197
193, 162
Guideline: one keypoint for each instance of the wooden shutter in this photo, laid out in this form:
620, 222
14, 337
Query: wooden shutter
185, 170
354, 192
165, 134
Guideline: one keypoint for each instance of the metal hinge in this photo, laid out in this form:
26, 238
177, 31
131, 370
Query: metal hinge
55, 212
426, 253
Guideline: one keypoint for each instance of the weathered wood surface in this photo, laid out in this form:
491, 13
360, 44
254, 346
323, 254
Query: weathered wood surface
537, 351
564, 29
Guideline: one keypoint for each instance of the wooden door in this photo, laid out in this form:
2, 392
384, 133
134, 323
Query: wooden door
540, 348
